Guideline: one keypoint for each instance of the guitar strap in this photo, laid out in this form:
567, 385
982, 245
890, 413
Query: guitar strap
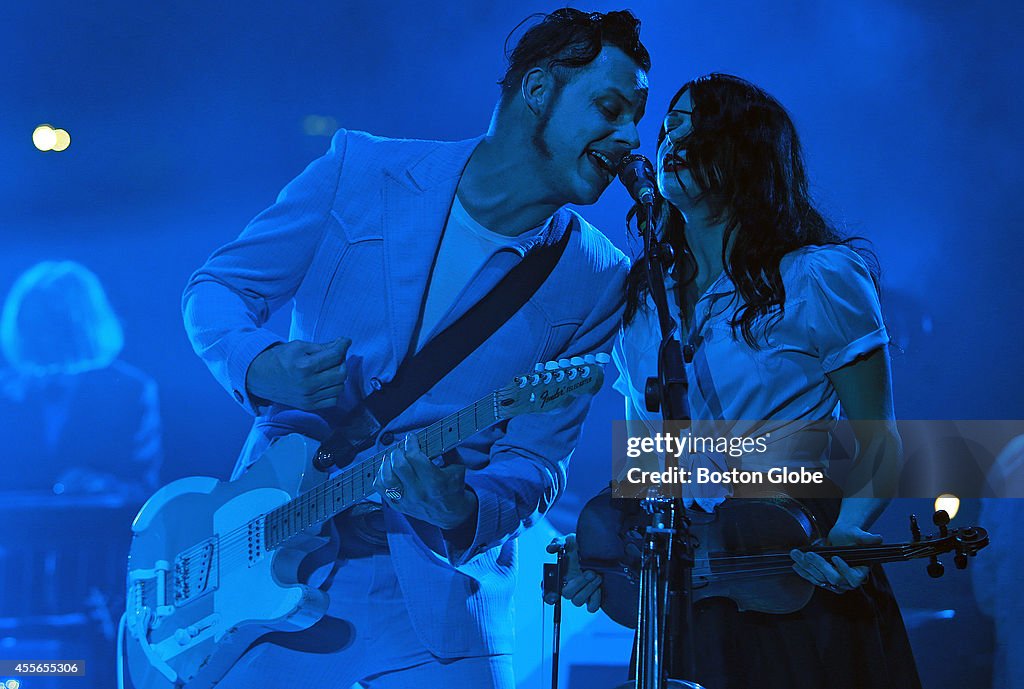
358, 429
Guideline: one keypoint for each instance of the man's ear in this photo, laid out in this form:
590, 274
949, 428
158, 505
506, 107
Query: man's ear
538, 86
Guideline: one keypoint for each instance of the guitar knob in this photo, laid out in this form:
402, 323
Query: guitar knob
602, 358
576, 361
551, 366
590, 359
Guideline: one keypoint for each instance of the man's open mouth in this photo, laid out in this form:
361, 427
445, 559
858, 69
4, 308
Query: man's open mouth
604, 164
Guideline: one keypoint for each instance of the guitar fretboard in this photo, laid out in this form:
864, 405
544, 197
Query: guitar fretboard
355, 482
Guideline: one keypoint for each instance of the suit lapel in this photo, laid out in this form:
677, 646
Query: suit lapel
417, 200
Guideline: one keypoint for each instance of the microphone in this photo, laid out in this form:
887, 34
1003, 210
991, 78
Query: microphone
637, 174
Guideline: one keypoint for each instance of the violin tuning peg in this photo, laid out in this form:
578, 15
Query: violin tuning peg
589, 359
960, 560
551, 366
576, 361
915, 530
935, 568
602, 358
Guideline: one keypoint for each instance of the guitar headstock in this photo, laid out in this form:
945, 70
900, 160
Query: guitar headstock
551, 385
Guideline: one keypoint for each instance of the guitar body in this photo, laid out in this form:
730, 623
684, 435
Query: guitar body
201, 585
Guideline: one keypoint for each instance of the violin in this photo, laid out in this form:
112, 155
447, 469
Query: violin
741, 551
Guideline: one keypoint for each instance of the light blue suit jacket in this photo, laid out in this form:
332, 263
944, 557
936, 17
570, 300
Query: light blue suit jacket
351, 242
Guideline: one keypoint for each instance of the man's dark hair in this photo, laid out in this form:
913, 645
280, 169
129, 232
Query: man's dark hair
570, 38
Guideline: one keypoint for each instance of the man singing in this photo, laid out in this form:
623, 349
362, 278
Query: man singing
382, 244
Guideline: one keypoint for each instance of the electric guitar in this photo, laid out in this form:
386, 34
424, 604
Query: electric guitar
213, 566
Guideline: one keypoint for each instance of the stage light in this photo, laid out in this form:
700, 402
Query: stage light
63, 140
948, 502
44, 137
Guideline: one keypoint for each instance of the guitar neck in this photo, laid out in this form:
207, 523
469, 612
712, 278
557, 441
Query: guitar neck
355, 482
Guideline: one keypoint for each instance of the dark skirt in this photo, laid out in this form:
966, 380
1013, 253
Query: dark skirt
854, 640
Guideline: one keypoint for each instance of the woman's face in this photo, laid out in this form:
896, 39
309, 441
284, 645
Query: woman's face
674, 179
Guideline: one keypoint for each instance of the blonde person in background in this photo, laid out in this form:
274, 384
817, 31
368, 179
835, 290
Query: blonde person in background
76, 418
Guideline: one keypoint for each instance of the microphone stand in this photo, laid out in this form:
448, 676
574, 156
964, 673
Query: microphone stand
667, 392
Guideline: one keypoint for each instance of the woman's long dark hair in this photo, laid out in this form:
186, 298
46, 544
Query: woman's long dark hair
745, 156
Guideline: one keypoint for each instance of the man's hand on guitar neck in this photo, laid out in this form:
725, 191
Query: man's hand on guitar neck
436, 495
298, 374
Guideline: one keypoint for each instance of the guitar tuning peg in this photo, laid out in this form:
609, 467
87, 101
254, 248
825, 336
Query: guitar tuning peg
551, 366
548, 377
520, 381
589, 359
535, 379
564, 363
559, 376
576, 361
538, 367
602, 358
573, 373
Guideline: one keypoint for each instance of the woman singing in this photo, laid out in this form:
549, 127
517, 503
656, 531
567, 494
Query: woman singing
781, 322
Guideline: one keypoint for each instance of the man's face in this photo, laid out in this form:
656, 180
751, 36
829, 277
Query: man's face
589, 124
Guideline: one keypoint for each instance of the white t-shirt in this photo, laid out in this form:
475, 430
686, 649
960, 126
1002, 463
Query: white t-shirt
465, 247
832, 316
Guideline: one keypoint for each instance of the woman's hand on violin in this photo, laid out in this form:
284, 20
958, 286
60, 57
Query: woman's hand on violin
834, 574
580, 587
